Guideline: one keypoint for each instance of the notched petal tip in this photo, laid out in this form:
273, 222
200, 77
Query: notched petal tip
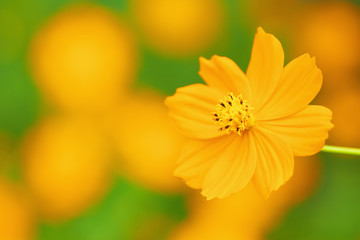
312, 61
208, 198
261, 33
211, 197
220, 60
216, 57
267, 193
167, 101
260, 30
330, 115
205, 60
204, 65
307, 57
202, 60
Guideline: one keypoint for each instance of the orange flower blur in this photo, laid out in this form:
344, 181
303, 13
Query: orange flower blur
17, 220
93, 59
248, 127
137, 136
66, 165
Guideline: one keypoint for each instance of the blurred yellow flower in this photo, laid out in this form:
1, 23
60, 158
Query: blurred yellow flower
66, 165
146, 142
17, 221
343, 103
179, 27
248, 127
330, 30
194, 229
83, 58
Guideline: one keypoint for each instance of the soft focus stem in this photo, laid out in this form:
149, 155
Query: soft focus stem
341, 150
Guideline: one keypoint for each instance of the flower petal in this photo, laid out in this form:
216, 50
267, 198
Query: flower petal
305, 131
300, 82
197, 157
224, 74
265, 67
274, 161
233, 169
190, 108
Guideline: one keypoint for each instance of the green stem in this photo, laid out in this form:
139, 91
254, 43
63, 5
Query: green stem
341, 150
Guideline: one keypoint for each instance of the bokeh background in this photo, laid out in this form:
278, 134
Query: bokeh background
86, 147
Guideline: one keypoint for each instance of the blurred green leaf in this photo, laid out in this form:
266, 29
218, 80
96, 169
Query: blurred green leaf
124, 211
19, 99
19, 20
333, 213
167, 73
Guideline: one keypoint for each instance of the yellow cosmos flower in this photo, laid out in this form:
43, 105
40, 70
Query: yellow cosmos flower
248, 127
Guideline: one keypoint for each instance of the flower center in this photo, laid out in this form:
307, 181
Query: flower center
233, 114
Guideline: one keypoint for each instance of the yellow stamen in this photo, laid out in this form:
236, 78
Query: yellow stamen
233, 114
